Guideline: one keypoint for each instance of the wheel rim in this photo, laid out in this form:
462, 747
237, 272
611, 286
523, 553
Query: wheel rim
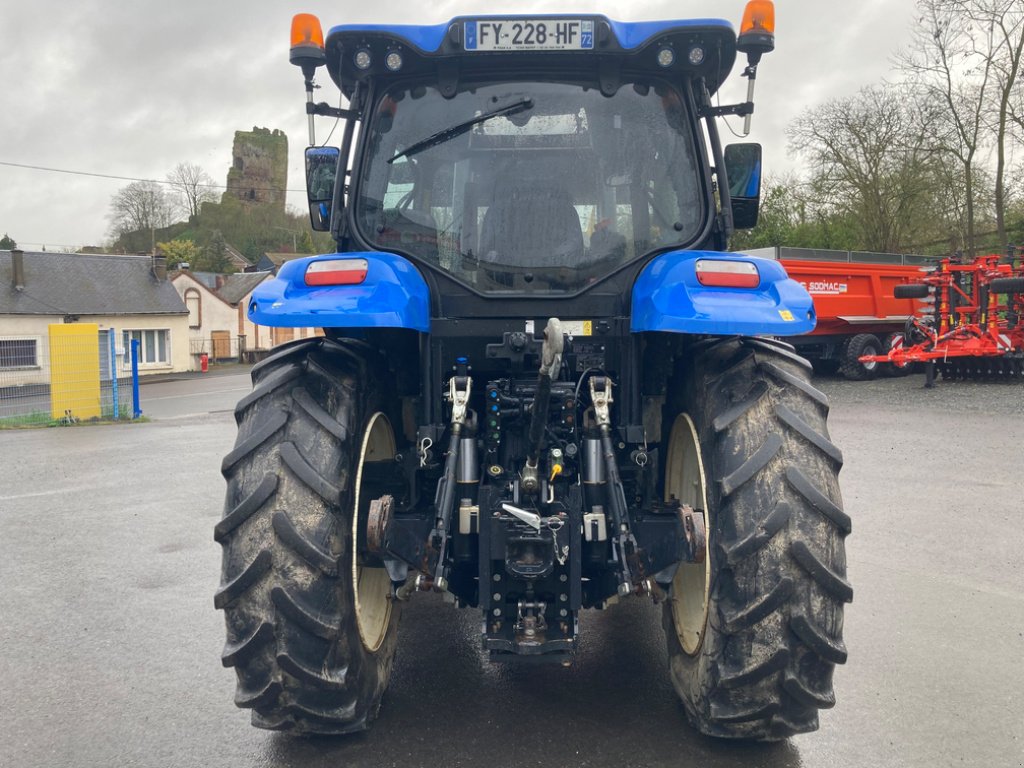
684, 480
371, 586
871, 364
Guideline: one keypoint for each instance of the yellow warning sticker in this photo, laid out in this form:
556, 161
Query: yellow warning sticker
578, 327
786, 315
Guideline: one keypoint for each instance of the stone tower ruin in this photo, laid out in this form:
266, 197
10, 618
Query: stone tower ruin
259, 167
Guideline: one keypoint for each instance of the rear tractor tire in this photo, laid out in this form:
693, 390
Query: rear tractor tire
311, 629
856, 346
755, 632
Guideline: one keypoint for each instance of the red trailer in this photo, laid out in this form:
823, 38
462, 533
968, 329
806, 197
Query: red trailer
853, 298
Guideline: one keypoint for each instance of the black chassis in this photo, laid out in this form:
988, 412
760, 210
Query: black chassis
448, 528
530, 583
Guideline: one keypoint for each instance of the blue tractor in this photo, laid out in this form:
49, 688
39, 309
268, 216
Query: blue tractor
543, 383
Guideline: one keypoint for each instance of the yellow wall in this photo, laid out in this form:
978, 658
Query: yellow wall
75, 370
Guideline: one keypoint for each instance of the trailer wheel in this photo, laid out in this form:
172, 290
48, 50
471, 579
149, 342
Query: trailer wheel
889, 343
754, 634
311, 629
856, 346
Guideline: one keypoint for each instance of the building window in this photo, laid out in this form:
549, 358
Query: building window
18, 353
194, 304
154, 348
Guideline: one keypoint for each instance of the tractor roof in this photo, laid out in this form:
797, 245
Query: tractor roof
635, 44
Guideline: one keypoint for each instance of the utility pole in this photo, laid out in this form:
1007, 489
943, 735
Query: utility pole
293, 233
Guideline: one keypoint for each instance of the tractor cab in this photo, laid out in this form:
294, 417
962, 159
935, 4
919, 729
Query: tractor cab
530, 155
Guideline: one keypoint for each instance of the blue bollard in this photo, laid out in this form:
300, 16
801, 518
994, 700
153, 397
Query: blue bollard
136, 410
113, 375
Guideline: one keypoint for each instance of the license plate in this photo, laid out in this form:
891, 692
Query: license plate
529, 35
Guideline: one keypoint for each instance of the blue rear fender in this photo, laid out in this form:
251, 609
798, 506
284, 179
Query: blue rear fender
393, 295
667, 296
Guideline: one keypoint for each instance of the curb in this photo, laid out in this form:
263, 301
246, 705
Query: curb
162, 378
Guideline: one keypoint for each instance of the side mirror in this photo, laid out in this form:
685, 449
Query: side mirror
743, 172
321, 172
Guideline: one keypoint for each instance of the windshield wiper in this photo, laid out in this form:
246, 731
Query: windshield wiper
460, 128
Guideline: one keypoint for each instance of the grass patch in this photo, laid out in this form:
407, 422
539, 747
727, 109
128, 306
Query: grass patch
37, 419
34, 419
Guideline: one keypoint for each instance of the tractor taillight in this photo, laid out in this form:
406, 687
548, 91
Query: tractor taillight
727, 274
336, 272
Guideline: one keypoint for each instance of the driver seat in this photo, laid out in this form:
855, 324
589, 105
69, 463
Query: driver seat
532, 226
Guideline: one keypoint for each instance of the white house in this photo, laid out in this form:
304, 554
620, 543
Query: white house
128, 296
217, 320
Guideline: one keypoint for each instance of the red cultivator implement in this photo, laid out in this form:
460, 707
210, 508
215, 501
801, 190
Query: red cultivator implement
975, 328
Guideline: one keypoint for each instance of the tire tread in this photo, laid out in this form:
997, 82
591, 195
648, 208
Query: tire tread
293, 538
826, 578
778, 575
235, 588
246, 508
752, 466
292, 636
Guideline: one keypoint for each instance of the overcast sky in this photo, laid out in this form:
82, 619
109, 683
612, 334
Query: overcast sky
132, 89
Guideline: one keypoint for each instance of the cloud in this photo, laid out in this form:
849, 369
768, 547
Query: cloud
133, 89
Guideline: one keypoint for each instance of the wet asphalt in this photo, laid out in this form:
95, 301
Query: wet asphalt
110, 646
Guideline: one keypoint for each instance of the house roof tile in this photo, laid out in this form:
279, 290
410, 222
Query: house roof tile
240, 284
86, 284
280, 258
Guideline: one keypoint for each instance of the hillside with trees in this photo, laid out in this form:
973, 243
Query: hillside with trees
188, 219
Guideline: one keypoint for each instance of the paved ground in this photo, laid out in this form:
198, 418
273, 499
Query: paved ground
194, 394
109, 644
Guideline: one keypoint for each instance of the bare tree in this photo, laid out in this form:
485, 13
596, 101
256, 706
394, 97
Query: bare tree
1005, 52
142, 205
943, 65
870, 162
194, 185
1015, 105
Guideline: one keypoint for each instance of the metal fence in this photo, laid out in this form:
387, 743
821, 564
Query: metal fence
71, 374
223, 349
219, 349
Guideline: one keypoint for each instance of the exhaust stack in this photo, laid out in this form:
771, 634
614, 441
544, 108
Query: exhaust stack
18, 267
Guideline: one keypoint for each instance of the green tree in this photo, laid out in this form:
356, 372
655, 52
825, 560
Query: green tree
213, 254
7, 243
777, 219
790, 218
870, 163
1015, 225
305, 244
179, 252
